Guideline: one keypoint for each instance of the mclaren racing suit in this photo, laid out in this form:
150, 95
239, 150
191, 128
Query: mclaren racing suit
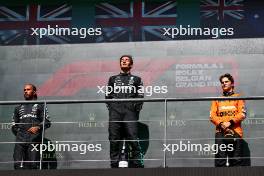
122, 86
232, 111
26, 116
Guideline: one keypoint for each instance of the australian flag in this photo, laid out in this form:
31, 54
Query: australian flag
135, 20
245, 16
16, 23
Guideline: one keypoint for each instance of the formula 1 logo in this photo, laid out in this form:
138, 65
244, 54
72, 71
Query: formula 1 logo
191, 75
77, 76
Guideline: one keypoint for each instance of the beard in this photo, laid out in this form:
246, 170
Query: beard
28, 97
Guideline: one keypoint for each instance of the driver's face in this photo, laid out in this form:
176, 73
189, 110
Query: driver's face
125, 63
226, 84
29, 93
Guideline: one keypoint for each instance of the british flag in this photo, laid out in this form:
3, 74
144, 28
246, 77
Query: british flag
135, 21
222, 9
16, 23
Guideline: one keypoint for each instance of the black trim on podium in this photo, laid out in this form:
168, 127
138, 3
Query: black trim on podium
180, 171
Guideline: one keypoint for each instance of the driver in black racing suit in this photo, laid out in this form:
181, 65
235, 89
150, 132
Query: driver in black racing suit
27, 126
124, 85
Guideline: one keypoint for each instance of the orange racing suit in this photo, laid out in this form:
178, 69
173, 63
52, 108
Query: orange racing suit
233, 111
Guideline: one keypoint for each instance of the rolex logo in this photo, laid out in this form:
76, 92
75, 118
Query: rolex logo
91, 123
172, 116
91, 116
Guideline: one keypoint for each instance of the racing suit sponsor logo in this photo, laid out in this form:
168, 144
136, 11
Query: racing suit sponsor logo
227, 113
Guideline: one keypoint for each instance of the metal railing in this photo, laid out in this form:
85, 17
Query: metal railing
131, 100
165, 100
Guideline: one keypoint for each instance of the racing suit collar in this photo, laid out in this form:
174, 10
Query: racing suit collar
124, 74
226, 94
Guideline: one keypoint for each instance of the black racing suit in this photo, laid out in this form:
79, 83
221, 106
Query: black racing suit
26, 116
122, 86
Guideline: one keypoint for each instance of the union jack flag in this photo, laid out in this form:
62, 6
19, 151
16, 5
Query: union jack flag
16, 23
135, 21
222, 9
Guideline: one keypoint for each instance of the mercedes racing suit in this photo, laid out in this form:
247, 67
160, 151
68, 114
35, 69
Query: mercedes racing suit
26, 116
124, 85
232, 111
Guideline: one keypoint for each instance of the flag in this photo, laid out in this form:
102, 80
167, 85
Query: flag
125, 21
218, 13
135, 21
246, 17
16, 23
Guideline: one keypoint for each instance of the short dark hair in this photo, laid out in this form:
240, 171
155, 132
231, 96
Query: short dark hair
228, 76
129, 56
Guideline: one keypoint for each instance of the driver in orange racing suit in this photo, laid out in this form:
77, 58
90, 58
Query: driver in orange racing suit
227, 116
